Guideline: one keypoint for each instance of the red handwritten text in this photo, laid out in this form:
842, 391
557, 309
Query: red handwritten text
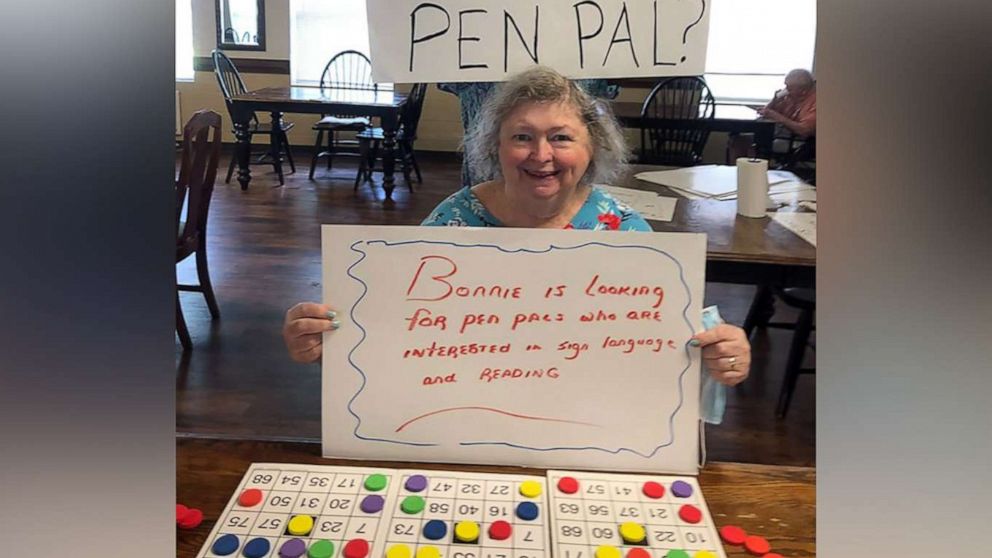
596, 289
478, 319
575, 348
439, 288
431, 380
644, 315
422, 317
535, 317
555, 291
455, 351
628, 345
492, 374
598, 316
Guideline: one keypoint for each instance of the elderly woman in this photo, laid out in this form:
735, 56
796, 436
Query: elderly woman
542, 143
472, 96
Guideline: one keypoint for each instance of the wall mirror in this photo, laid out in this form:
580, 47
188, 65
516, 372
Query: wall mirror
241, 24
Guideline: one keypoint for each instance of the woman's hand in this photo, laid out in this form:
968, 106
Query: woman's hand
304, 327
726, 352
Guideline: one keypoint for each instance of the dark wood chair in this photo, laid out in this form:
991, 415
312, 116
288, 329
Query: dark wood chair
371, 139
800, 158
762, 309
194, 187
805, 301
231, 84
347, 69
678, 98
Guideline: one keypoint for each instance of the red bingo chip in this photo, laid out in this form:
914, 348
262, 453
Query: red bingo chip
191, 519
250, 497
690, 514
757, 545
568, 485
732, 534
652, 489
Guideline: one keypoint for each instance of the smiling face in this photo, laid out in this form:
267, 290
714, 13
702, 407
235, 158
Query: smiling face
544, 150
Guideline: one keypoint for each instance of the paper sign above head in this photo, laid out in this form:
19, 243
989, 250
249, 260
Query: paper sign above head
477, 40
544, 348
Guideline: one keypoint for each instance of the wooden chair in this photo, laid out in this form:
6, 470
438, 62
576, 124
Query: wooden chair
762, 309
677, 98
348, 69
197, 173
371, 139
805, 301
800, 158
231, 84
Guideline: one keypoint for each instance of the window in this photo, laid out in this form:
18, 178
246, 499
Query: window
754, 43
184, 40
319, 29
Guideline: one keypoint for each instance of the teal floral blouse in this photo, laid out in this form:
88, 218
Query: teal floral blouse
600, 212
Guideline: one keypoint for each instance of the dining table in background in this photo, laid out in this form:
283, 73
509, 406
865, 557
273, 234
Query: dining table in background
738, 249
382, 103
735, 119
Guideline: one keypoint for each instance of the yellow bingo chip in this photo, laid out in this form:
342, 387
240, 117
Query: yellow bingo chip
530, 489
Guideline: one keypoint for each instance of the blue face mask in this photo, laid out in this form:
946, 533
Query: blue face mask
713, 399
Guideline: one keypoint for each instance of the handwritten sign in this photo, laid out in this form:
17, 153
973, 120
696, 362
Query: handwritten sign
475, 40
547, 348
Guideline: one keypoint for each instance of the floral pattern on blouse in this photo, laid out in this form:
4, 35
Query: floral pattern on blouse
599, 212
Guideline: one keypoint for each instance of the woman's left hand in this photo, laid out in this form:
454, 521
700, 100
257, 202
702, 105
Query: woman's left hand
726, 352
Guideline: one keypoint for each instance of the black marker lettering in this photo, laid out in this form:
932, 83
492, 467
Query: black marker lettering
656, 61
461, 39
624, 18
578, 25
507, 20
413, 27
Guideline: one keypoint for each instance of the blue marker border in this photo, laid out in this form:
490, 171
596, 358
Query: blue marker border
358, 420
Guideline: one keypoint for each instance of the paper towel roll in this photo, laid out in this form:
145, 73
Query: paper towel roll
752, 187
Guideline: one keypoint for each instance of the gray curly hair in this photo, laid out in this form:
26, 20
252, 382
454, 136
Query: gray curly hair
544, 85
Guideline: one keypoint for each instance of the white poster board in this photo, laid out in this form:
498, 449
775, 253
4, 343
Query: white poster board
545, 348
477, 40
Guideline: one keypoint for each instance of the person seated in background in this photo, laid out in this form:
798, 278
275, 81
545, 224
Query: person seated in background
539, 145
794, 108
471, 96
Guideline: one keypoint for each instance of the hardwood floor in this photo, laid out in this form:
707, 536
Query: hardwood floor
264, 256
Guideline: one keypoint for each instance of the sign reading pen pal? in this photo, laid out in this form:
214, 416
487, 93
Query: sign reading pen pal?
546, 348
477, 40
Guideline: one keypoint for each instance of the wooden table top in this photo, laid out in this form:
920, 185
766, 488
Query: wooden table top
778, 503
322, 96
730, 237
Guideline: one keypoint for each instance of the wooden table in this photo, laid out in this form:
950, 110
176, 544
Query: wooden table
738, 249
778, 503
316, 100
727, 118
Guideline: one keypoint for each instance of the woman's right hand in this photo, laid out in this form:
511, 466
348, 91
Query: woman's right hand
304, 327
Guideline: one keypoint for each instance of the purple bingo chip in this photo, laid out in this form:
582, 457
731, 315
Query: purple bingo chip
372, 503
681, 489
416, 483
